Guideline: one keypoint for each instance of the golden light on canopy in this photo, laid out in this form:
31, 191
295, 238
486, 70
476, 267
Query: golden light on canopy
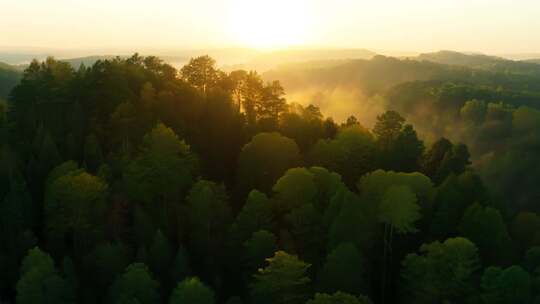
270, 24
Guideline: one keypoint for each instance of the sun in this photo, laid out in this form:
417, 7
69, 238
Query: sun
267, 24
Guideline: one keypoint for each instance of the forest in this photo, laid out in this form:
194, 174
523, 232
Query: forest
129, 181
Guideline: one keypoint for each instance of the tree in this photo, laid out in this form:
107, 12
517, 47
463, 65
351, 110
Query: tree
18, 212
200, 72
272, 103
192, 290
442, 272
351, 153
209, 216
338, 298
75, 206
282, 281
181, 267
303, 124
258, 248
452, 198
455, 161
474, 111
431, 162
345, 270
93, 154
407, 151
398, 144
256, 214
102, 265
524, 229
263, 160
375, 185
397, 210
295, 189
388, 127
160, 256
135, 285
252, 94
508, 286
480, 221
40, 282
163, 171
351, 223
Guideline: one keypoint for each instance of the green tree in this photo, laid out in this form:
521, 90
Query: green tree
345, 270
398, 211
135, 285
351, 223
93, 154
525, 228
264, 159
474, 111
480, 221
40, 282
338, 298
351, 153
181, 265
256, 214
295, 188
511, 285
431, 162
103, 265
163, 171
160, 256
75, 206
258, 248
192, 290
388, 127
442, 272
209, 217
282, 281
398, 144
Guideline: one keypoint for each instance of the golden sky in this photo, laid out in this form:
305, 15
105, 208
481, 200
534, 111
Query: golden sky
492, 26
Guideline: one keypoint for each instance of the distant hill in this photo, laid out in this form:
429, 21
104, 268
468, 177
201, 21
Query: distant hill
456, 58
87, 61
315, 57
535, 61
482, 62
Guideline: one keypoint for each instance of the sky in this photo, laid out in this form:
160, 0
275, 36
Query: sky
489, 26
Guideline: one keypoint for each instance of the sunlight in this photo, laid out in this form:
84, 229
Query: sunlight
270, 24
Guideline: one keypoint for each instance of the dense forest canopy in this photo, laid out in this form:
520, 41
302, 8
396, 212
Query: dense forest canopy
129, 181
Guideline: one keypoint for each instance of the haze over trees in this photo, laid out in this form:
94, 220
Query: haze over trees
129, 181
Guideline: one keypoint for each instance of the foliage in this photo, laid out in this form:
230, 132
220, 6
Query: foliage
192, 290
284, 280
135, 285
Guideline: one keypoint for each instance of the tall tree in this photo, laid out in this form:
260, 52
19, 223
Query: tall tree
201, 73
209, 216
511, 285
135, 285
283, 281
442, 272
75, 206
40, 281
263, 160
192, 290
479, 222
345, 270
